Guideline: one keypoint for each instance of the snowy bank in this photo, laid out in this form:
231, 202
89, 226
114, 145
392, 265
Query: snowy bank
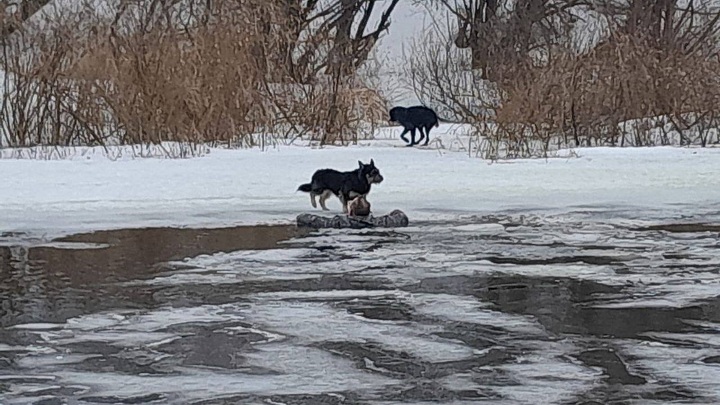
230, 187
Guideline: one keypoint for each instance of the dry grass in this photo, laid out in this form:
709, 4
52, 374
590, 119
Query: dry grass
302, 111
624, 92
585, 100
175, 71
247, 73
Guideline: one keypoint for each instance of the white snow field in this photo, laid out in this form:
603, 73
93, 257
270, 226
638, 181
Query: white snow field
87, 191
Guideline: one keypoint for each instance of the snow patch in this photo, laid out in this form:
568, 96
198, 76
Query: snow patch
234, 187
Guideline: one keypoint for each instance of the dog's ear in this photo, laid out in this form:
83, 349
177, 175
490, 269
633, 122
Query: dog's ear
372, 163
361, 164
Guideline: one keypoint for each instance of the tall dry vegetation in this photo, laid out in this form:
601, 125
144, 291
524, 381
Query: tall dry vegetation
190, 71
30, 85
624, 92
232, 71
530, 79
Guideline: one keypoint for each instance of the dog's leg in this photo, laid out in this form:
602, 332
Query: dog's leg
323, 197
412, 137
343, 201
422, 135
427, 132
402, 136
312, 200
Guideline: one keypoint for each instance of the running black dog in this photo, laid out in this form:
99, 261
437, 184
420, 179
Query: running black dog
344, 185
412, 118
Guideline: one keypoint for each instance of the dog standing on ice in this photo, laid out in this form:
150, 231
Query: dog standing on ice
344, 185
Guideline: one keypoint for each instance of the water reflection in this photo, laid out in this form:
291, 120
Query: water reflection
50, 284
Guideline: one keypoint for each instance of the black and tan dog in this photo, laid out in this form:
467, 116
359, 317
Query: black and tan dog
344, 185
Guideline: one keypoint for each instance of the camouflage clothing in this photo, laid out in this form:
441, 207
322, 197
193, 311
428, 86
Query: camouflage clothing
395, 219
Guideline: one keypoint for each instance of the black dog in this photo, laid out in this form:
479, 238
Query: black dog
418, 117
344, 185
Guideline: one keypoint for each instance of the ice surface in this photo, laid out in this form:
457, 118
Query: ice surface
43, 198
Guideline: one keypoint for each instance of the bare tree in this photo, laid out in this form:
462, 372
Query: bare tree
501, 34
334, 37
13, 16
687, 26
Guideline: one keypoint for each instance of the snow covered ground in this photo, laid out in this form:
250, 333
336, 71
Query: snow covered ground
229, 187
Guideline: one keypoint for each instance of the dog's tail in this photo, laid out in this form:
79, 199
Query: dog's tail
439, 120
307, 187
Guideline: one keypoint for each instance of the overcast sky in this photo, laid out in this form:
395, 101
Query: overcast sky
408, 21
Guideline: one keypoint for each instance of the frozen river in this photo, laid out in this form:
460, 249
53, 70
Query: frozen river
594, 306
